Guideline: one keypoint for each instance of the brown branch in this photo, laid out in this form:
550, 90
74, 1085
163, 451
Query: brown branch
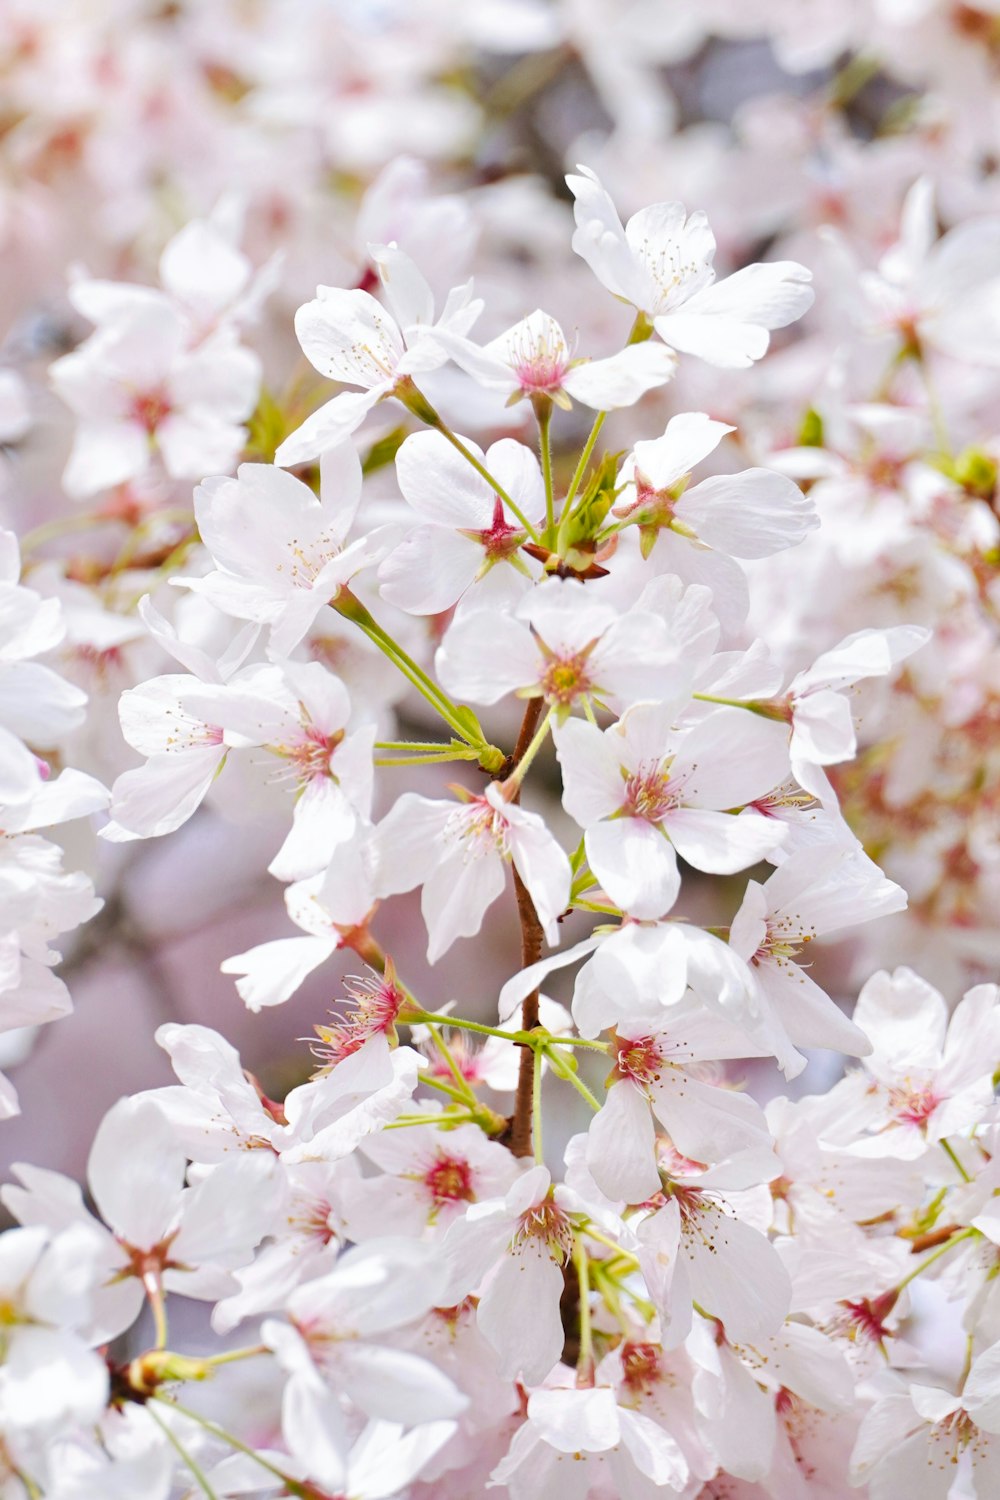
531, 951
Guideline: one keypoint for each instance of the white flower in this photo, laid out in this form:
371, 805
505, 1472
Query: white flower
458, 851
469, 543
348, 336
661, 263
139, 390
643, 790
534, 359
281, 553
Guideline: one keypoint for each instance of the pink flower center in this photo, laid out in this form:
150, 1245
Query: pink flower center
783, 941
540, 361
480, 827
640, 1058
449, 1180
648, 795
378, 1003
914, 1106
500, 539
546, 1225
149, 409
641, 1366
308, 757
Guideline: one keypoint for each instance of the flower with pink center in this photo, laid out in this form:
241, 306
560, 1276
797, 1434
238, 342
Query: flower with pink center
927, 1076
298, 714
280, 552
511, 1250
659, 1072
467, 545
646, 792
564, 646
140, 390
912, 1441
705, 1245
533, 358
814, 892
378, 1002
458, 853
426, 1178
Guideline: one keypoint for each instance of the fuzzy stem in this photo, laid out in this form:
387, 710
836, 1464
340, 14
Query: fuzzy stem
542, 406
196, 1470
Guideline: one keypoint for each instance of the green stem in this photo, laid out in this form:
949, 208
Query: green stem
231, 1356
605, 1239
585, 457
462, 720
956, 1239
561, 1071
292, 1485
543, 415
536, 1108
175, 1442
520, 770
949, 1151
31, 1489
461, 1081
426, 760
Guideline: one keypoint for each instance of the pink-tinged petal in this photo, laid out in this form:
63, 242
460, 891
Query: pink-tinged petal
430, 570
522, 984
313, 1425
730, 758
395, 1385
516, 468
736, 1275
540, 861
103, 454
322, 820
158, 797
635, 864
441, 485
653, 1451
456, 895
609, 384
741, 1423
906, 1021
136, 1172
705, 1122
408, 842
519, 1313
330, 425
690, 436
720, 842
576, 1421
806, 1012
593, 786
483, 657
620, 1150
752, 514
272, 972
665, 1271
346, 335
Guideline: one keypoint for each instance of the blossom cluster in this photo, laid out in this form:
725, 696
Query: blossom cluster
665, 619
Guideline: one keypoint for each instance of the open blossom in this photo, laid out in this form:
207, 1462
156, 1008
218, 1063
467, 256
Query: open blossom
350, 337
926, 1077
661, 262
139, 391
468, 545
534, 359
811, 894
646, 793
561, 646
457, 852
750, 514
919, 1437
657, 1070
280, 552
